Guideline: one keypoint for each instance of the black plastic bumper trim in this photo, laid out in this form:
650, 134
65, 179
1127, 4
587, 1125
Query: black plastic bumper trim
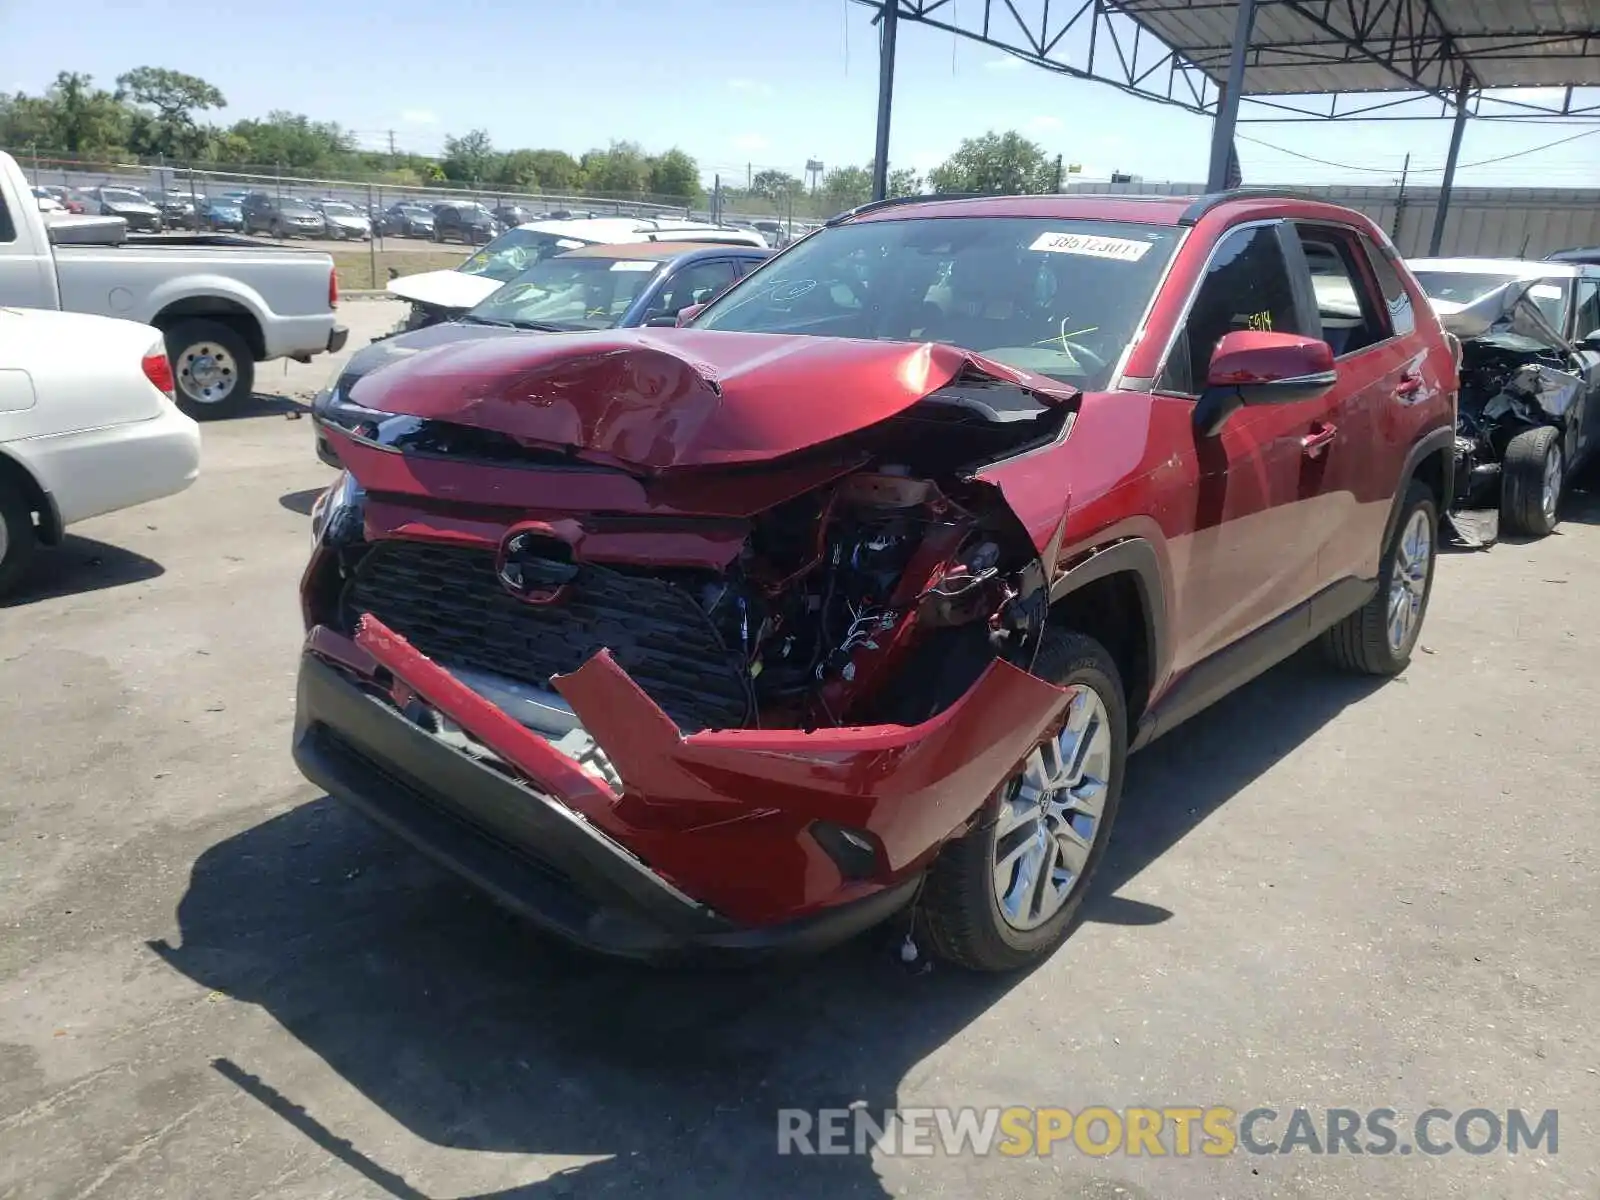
527, 850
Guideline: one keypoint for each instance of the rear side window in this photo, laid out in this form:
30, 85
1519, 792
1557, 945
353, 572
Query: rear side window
1350, 310
8, 231
1246, 286
1395, 297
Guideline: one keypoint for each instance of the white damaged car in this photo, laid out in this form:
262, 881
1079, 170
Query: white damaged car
87, 426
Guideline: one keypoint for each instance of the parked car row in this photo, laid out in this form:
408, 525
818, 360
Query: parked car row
922, 526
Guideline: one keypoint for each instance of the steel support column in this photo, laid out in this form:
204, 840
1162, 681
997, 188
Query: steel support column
1447, 184
887, 28
1228, 106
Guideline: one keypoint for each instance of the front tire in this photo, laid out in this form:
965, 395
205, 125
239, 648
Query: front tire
18, 538
1379, 637
1006, 894
1531, 480
212, 367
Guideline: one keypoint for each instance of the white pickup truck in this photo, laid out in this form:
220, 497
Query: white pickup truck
222, 304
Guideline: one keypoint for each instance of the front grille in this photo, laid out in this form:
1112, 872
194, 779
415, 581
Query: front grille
448, 603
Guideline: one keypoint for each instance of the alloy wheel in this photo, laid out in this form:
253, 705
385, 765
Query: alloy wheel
1550, 496
1408, 587
1050, 815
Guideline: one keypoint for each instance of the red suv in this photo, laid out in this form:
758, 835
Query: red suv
852, 596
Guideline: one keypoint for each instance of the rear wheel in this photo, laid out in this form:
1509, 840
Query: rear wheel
1378, 638
18, 539
1531, 480
1005, 895
212, 366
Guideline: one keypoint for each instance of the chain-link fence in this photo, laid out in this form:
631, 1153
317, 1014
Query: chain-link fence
210, 180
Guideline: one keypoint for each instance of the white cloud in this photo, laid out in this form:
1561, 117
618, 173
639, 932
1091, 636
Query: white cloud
419, 116
750, 142
750, 87
1044, 124
1009, 63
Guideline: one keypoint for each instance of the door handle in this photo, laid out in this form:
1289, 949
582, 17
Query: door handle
1319, 439
1410, 384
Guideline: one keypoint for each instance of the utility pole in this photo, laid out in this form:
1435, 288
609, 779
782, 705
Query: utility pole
749, 177
391, 144
1400, 200
1057, 187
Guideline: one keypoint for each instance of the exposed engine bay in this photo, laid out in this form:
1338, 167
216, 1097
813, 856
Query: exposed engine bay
1517, 376
899, 566
1509, 384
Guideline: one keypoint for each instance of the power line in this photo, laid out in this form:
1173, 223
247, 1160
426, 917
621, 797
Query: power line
1487, 162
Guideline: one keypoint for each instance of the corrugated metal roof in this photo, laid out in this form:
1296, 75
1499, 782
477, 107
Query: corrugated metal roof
1318, 47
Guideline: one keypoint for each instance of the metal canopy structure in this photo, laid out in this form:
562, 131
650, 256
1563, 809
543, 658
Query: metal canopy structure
1289, 60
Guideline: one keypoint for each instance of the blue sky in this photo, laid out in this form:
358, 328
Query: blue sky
736, 83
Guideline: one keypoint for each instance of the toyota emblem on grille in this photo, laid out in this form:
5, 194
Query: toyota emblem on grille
535, 567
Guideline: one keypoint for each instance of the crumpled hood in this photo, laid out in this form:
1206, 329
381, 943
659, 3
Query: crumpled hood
403, 345
660, 399
444, 289
1507, 309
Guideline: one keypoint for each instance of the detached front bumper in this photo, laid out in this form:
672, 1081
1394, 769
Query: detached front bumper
521, 846
717, 841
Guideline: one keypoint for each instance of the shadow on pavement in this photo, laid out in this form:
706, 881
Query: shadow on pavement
260, 404
477, 1034
77, 566
301, 502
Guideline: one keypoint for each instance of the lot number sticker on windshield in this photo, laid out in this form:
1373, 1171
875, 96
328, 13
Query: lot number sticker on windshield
1124, 249
634, 266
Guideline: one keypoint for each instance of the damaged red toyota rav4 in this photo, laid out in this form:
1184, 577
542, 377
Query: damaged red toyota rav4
853, 594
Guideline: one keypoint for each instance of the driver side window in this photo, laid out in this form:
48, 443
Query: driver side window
1246, 286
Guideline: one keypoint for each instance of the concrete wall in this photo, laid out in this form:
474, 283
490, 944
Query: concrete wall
1494, 222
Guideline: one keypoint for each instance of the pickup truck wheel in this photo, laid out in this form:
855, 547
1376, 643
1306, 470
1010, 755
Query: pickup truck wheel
1005, 895
1531, 479
212, 366
1378, 638
18, 541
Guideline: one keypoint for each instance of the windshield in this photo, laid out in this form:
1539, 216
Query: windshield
119, 196
1057, 297
294, 208
570, 293
514, 251
1463, 287
338, 208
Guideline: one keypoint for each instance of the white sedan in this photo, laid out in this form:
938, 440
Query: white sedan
87, 426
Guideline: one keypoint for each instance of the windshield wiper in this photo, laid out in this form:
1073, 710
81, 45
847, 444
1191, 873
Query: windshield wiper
475, 319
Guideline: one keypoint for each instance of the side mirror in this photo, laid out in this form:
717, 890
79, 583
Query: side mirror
685, 315
1591, 340
661, 321
1250, 367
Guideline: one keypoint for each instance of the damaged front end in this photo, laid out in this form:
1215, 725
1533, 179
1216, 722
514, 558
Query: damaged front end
664, 658
1516, 376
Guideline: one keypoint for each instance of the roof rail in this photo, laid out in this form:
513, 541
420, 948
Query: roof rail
1204, 204
892, 201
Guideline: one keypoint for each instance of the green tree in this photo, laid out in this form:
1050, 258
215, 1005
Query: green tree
164, 103
556, 170
290, 140
846, 187
26, 122
674, 174
904, 182
470, 158
774, 184
83, 119
622, 169
1007, 163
